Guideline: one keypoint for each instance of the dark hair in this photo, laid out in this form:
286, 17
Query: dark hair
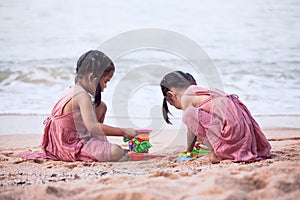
176, 79
95, 62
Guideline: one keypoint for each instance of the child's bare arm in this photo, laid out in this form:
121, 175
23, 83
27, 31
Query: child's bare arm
191, 140
90, 120
187, 101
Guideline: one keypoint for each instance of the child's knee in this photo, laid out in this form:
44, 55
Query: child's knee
102, 108
116, 152
200, 139
101, 111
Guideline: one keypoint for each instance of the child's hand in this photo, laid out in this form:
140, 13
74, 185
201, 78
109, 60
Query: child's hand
129, 133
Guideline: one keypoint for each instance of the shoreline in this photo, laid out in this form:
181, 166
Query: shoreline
175, 138
11, 124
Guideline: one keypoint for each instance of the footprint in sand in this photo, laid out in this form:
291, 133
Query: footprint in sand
164, 174
38, 161
71, 165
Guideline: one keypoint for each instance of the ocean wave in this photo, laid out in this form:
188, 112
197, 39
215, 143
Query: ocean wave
45, 72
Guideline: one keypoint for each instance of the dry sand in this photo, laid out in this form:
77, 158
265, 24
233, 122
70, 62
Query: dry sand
159, 178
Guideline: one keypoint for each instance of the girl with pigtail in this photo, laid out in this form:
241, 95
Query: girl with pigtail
218, 120
75, 129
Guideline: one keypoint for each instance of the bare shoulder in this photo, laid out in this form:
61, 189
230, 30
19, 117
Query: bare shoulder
81, 99
187, 101
192, 100
73, 103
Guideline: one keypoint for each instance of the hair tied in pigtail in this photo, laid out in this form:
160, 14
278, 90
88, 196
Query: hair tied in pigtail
165, 111
97, 100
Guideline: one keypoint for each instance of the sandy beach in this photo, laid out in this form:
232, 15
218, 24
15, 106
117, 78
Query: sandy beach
157, 178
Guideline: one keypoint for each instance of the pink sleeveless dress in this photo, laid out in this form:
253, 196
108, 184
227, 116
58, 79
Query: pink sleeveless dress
225, 122
66, 137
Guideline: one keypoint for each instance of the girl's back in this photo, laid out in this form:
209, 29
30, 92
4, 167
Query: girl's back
228, 125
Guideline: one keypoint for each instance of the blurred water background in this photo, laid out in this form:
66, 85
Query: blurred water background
255, 46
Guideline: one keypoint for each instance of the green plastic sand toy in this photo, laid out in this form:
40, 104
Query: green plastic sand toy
140, 147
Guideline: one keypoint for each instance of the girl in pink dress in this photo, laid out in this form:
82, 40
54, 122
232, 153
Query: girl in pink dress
75, 129
218, 120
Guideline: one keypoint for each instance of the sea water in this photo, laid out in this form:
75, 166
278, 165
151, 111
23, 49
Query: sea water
254, 45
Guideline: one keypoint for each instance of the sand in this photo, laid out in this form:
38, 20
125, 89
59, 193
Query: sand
158, 178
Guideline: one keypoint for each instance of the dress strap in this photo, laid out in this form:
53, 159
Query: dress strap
70, 93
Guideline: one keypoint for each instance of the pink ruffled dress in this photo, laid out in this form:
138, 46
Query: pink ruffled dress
66, 137
225, 122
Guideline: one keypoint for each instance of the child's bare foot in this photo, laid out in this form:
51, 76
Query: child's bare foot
226, 162
125, 158
212, 158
